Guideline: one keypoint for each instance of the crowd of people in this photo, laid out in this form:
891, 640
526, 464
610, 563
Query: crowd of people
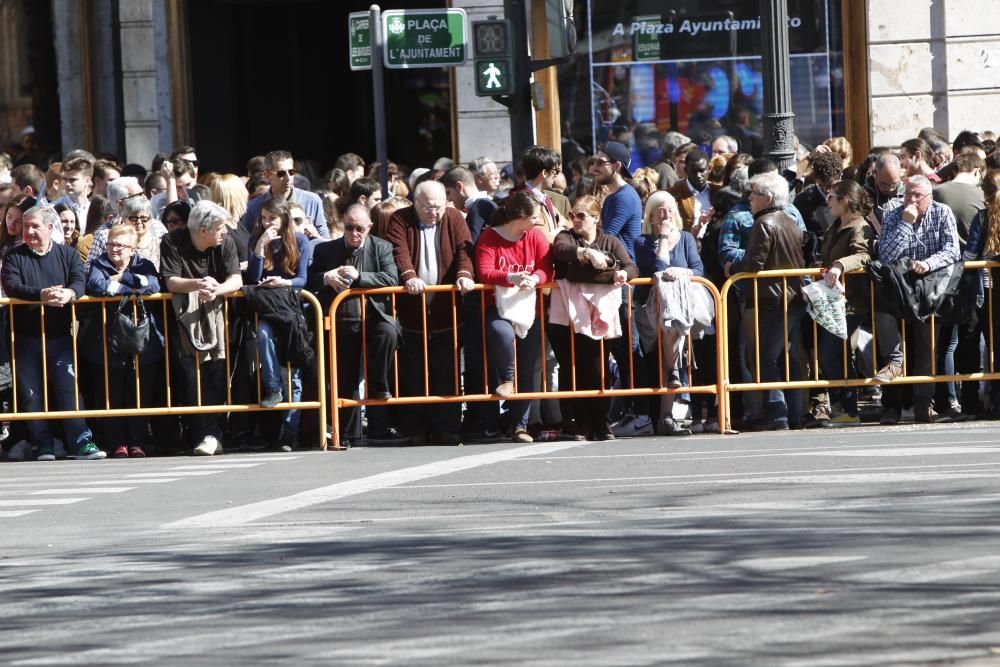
891, 230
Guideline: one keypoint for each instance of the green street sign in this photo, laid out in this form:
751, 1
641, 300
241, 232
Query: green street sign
646, 40
493, 77
424, 38
359, 39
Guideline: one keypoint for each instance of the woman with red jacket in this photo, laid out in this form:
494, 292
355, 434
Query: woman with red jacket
514, 255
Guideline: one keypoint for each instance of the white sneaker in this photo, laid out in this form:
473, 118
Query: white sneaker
20, 452
208, 447
637, 426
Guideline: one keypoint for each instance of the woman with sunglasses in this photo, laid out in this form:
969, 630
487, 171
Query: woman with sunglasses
279, 258
847, 246
137, 212
585, 254
121, 271
513, 253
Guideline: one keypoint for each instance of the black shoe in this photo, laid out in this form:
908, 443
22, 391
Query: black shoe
603, 434
270, 399
390, 436
674, 379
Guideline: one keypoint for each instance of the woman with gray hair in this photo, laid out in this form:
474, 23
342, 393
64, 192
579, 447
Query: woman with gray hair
775, 243
137, 212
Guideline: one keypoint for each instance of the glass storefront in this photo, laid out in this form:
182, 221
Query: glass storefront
644, 67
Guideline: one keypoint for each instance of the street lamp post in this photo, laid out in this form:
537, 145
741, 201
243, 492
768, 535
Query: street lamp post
778, 116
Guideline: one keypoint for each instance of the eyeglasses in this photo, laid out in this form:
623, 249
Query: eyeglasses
114, 245
578, 215
430, 208
916, 196
597, 162
139, 219
172, 221
355, 228
282, 173
194, 163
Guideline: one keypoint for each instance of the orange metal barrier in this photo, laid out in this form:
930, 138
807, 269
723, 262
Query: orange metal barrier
337, 401
171, 408
816, 382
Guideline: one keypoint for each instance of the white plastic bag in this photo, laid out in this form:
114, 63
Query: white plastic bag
827, 306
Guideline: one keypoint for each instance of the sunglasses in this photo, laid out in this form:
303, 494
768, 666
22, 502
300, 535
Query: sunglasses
140, 219
578, 215
172, 221
282, 173
119, 246
299, 221
355, 228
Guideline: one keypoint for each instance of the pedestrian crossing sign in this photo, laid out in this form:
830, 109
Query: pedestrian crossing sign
493, 77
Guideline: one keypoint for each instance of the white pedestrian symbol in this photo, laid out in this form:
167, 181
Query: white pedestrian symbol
493, 72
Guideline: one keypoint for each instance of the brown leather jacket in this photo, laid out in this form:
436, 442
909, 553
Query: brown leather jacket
775, 243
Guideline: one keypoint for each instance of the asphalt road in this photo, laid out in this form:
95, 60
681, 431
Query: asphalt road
854, 547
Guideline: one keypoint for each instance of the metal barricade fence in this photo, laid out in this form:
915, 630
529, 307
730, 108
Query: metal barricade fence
337, 402
815, 381
172, 406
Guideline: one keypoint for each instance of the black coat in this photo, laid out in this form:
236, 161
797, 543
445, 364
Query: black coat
376, 268
281, 308
905, 294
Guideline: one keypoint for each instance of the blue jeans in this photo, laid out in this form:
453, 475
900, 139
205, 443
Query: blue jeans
271, 378
28, 360
500, 342
780, 406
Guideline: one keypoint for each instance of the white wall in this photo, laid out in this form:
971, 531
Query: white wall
932, 63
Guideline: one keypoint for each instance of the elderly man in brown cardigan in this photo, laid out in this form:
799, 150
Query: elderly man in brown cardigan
432, 246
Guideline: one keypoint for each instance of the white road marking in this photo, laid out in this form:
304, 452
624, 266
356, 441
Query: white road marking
219, 467
8, 514
132, 480
244, 514
90, 489
909, 451
28, 502
198, 473
741, 478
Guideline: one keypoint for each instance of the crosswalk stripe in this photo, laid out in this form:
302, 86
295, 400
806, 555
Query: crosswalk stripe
7, 514
91, 489
28, 502
218, 467
190, 473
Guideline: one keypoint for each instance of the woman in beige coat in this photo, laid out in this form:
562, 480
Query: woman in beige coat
847, 246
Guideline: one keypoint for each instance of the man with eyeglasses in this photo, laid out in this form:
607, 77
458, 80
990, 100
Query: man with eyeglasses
431, 246
924, 233
540, 167
280, 171
359, 260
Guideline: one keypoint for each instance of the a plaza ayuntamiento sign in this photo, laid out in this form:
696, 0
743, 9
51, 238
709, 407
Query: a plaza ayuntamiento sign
700, 29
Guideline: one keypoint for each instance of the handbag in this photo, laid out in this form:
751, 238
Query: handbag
130, 328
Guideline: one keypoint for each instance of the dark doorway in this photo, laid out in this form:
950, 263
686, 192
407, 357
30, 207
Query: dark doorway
272, 74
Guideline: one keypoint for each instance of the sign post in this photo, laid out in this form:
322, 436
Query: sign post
378, 89
424, 38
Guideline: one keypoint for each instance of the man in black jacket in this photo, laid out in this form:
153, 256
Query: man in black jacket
358, 260
40, 270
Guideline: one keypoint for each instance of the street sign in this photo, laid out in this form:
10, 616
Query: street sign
646, 40
359, 36
424, 38
493, 77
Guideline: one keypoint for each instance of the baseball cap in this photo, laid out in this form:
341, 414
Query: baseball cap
619, 152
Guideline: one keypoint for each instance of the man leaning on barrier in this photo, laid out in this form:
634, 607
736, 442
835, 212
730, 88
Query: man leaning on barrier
199, 265
432, 246
359, 260
923, 233
40, 270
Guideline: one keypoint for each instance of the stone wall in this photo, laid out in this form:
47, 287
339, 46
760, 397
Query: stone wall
933, 63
